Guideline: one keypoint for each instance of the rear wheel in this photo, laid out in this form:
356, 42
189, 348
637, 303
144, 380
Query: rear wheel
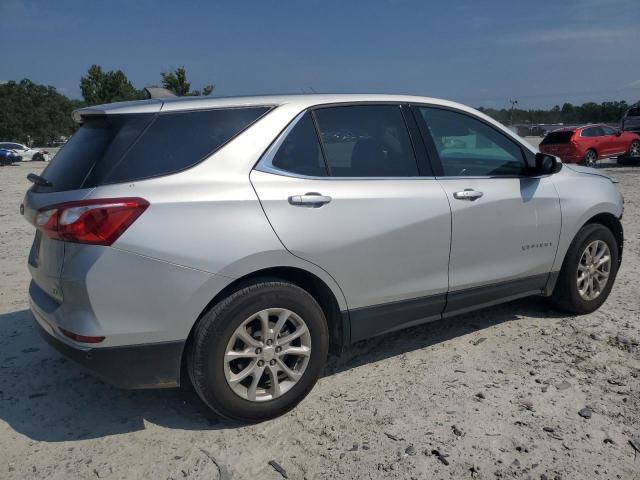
588, 271
590, 158
258, 352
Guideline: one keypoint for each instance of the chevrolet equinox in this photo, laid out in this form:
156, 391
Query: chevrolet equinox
229, 242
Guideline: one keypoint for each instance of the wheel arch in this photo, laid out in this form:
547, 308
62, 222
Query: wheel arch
594, 149
612, 223
338, 322
606, 219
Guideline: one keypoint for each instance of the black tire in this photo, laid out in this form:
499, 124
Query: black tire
37, 157
565, 295
590, 156
626, 161
205, 357
628, 158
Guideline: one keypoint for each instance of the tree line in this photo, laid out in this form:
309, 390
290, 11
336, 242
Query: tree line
39, 114
590, 112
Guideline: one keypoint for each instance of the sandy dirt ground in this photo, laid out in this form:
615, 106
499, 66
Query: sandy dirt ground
514, 391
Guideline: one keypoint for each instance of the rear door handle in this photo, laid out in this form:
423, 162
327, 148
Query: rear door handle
468, 194
310, 200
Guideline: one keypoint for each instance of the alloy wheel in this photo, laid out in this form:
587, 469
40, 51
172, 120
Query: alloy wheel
634, 150
594, 269
590, 158
267, 354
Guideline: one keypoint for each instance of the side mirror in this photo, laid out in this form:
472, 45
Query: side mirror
618, 133
547, 164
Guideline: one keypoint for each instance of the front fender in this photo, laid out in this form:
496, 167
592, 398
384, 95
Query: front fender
583, 197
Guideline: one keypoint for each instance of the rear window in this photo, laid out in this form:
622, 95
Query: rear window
633, 112
124, 148
557, 137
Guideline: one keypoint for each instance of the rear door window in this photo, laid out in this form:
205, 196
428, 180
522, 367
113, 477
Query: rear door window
366, 141
592, 132
124, 148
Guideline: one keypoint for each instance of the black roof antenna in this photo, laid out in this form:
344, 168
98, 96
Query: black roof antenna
158, 92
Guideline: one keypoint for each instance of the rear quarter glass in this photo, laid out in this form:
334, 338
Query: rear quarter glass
126, 147
177, 141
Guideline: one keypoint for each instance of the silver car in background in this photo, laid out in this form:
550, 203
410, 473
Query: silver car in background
236, 239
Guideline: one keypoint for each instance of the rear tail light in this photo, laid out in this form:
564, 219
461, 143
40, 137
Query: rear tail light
95, 222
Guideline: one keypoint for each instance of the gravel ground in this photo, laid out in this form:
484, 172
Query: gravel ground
514, 391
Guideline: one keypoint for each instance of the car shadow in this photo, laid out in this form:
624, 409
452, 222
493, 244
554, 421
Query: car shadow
617, 165
433, 333
48, 398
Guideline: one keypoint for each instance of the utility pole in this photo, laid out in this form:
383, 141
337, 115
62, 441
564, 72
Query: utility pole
513, 104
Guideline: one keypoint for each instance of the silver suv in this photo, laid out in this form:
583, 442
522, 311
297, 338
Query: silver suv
235, 239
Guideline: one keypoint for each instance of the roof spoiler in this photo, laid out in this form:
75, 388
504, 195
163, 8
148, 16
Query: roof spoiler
158, 92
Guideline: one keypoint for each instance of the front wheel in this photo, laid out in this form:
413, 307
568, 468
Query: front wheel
590, 158
588, 271
258, 353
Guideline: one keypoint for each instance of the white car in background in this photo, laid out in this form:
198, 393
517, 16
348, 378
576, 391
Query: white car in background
27, 153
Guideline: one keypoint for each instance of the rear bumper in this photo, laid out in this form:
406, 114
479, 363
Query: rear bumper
154, 365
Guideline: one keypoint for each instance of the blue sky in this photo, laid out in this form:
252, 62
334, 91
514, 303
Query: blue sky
476, 52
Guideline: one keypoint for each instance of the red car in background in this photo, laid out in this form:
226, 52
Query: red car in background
586, 145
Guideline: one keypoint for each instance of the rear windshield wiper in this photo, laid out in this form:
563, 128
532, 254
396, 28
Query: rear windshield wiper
38, 180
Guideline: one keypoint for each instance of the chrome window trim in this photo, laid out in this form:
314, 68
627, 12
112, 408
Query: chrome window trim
265, 164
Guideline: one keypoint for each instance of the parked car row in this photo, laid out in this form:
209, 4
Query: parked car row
588, 144
11, 152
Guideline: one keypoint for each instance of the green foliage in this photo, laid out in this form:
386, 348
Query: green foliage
206, 90
36, 114
176, 81
100, 87
590, 112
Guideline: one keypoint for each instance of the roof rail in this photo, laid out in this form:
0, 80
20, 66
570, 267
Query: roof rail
158, 92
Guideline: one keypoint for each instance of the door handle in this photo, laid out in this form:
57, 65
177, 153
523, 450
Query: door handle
310, 200
468, 194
